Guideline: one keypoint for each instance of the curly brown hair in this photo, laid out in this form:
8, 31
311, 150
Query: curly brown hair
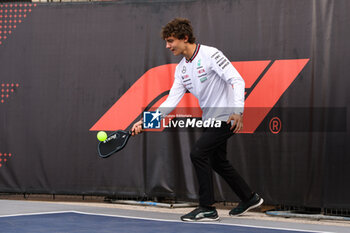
179, 28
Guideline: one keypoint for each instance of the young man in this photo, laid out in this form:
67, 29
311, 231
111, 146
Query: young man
211, 78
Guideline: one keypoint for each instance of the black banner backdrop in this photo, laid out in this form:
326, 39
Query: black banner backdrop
62, 66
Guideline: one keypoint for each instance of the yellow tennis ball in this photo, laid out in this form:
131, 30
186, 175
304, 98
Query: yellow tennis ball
101, 136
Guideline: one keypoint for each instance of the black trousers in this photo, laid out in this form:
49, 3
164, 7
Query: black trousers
209, 153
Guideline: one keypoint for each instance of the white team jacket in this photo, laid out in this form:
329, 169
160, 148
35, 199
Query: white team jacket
212, 79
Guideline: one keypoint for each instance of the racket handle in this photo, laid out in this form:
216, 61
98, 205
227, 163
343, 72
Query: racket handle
130, 132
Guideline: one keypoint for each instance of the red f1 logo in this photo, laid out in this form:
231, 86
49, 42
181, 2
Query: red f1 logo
266, 81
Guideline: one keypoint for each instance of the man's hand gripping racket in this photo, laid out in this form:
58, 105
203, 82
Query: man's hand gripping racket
117, 140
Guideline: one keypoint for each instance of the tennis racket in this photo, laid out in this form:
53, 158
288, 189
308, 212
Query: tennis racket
114, 143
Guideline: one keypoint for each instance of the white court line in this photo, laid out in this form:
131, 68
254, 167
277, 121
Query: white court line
161, 220
37, 213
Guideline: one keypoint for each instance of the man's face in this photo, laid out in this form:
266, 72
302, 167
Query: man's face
175, 45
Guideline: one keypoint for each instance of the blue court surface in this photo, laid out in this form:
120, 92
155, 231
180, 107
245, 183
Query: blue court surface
78, 222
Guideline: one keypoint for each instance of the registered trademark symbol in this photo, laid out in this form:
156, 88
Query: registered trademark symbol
275, 125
